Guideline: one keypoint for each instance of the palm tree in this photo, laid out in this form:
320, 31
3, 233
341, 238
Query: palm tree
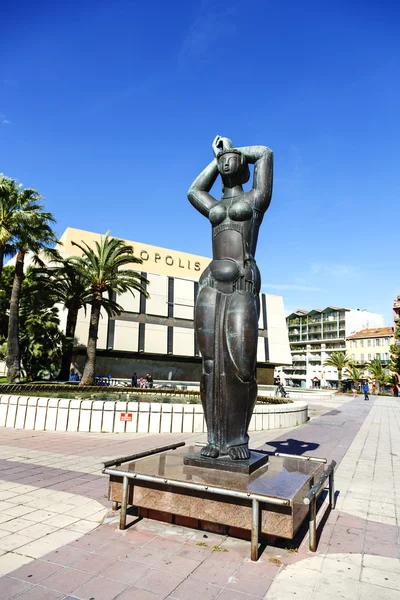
354, 373
31, 231
8, 216
377, 371
340, 361
69, 286
102, 268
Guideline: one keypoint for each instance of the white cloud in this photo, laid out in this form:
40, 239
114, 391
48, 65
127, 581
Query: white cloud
5, 122
291, 286
210, 26
333, 270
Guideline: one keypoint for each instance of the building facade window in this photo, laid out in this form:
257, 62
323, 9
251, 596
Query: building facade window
369, 356
362, 358
378, 342
369, 342
377, 355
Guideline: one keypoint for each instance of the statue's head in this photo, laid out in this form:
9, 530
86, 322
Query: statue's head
233, 167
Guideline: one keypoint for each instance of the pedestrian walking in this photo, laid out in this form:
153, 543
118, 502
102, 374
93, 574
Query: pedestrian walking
366, 390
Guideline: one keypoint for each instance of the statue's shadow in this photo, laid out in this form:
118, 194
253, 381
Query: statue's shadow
290, 446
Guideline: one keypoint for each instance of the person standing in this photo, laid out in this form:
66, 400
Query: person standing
134, 380
366, 390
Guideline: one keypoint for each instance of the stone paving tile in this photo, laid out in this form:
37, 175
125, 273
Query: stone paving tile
146, 557
40, 593
100, 589
9, 587
190, 589
284, 590
376, 592
35, 571
159, 582
125, 572
66, 580
178, 564
134, 593
65, 556
382, 578
215, 574
11, 561
93, 563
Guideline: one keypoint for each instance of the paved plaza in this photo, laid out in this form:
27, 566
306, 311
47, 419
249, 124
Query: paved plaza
59, 539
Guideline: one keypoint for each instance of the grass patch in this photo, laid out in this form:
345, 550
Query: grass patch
216, 548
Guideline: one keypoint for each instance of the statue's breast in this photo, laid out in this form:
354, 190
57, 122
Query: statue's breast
240, 211
218, 214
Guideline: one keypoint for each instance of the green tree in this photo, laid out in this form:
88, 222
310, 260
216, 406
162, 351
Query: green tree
340, 361
395, 356
38, 324
105, 274
354, 373
31, 232
15, 212
5, 294
69, 285
41, 340
377, 372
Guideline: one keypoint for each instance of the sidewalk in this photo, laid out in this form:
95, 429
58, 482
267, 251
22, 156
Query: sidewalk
53, 497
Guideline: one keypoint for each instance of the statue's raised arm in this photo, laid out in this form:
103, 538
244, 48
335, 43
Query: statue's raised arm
262, 159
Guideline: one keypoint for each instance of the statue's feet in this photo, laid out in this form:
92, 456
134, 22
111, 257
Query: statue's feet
240, 452
210, 451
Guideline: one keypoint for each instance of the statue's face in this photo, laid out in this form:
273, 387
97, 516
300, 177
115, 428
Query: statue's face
229, 164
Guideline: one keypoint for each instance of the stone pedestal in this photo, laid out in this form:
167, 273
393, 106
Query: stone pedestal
284, 478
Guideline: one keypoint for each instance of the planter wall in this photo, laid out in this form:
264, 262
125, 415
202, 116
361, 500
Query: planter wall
58, 414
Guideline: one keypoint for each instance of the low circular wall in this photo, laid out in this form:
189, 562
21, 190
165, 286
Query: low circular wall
59, 414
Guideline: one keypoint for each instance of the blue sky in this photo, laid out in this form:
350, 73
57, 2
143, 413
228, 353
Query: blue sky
109, 109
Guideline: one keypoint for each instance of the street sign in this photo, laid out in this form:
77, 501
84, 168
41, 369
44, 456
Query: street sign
126, 417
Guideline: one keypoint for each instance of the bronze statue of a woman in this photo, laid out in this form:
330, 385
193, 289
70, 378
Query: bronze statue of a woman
228, 306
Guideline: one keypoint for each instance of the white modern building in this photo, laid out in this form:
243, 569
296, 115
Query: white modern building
314, 335
156, 335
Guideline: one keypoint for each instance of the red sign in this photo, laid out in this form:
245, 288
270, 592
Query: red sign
126, 416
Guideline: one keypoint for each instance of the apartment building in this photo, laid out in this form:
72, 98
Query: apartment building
396, 310
365, 345
314, 335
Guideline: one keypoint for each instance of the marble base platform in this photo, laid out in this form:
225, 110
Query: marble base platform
224, 463
281, 477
